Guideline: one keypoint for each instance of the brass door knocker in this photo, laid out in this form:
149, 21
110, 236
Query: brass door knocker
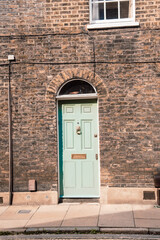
78, 130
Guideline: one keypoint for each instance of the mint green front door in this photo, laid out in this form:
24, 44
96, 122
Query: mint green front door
78, 138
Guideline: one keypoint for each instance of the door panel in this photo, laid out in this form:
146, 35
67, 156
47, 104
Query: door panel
69, 179
79, 167
87, 179
87, 134
86, 109
69, 134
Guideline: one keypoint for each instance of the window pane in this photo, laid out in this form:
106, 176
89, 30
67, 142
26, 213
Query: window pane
112, 10
124, 9
98, 11
76, 87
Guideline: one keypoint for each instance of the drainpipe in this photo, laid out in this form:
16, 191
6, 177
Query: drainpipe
10, 58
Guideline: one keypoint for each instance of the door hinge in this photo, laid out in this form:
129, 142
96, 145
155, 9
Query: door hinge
96, 156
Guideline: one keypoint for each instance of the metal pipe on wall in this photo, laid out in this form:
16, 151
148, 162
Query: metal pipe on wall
10, 138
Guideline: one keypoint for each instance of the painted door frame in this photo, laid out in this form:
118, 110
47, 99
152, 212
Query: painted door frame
76, 97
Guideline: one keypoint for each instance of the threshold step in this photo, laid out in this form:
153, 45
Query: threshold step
79, 200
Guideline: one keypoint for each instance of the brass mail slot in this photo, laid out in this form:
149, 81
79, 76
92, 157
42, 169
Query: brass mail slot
78, 156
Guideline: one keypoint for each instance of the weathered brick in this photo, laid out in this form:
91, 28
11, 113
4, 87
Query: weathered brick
50, 38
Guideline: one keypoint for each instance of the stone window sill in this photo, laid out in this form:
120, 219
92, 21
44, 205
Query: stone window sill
112, 25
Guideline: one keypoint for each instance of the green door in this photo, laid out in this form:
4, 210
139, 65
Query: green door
78, 138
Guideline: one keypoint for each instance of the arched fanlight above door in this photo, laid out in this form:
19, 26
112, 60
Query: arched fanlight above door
76, 89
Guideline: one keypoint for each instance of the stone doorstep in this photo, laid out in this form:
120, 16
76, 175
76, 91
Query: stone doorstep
79, 200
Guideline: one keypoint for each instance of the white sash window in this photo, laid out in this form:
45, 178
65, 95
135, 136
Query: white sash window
112, 13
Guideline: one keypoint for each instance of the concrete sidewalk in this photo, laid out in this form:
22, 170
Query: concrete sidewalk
85, 216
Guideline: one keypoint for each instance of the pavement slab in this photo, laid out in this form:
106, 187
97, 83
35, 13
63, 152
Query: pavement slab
48, 216
147, 223
12, 224
18, 213
3, 209
82, 216
146, 212
85, 215
116, 216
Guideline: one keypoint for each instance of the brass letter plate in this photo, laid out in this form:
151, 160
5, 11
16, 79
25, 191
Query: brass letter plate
78, 156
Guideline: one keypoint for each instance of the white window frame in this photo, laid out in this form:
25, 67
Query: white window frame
111, 23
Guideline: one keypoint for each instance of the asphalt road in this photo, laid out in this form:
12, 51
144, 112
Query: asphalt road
82, 236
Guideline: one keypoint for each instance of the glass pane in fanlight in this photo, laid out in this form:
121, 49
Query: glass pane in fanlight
124, 9
76, 87
112, 10
98, 11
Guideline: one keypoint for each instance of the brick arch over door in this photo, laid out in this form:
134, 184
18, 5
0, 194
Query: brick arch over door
75, 73
51, 92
